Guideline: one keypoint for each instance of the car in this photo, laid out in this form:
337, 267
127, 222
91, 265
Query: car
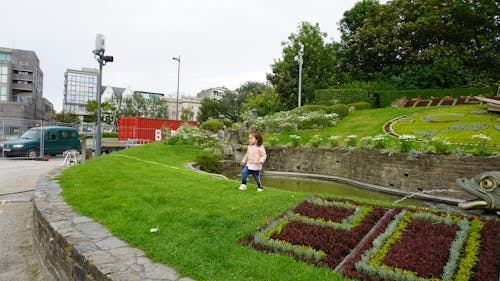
56, 140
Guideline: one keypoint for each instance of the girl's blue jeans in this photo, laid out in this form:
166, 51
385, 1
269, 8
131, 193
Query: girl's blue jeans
256, 174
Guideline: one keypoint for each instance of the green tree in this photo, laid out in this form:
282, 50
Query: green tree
66, 118
423, 43
229, 106
187, 114
250, 87
265, 103
318, 69
107, 110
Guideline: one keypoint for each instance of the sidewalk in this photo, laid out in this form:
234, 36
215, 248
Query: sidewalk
17, 180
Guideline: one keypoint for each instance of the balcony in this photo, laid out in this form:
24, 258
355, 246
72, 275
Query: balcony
22, 87
23, 77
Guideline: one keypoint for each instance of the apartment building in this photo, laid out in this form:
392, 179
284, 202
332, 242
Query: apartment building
21, 86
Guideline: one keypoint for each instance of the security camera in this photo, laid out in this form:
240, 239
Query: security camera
99, 42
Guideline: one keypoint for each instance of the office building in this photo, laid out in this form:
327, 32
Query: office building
21, 86
80, 86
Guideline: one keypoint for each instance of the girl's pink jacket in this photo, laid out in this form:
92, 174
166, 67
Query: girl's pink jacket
255, 157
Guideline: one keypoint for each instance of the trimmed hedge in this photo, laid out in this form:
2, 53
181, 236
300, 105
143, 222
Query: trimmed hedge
340, 109
345, 96
387, 97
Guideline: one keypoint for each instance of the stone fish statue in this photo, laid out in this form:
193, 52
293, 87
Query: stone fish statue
486, 186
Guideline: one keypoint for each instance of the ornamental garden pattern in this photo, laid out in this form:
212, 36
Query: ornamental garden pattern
375, 243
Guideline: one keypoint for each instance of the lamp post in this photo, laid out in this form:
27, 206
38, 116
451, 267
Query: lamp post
178, 59
102, 59
301, 53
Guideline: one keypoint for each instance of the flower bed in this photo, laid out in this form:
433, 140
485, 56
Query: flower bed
448, 102
403, 244
422, 103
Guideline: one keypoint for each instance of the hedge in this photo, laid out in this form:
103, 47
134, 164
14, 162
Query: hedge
387, 97
344, 96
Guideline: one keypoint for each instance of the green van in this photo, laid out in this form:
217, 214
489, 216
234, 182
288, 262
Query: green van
56, 140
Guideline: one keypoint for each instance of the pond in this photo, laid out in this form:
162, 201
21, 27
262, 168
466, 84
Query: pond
309, 185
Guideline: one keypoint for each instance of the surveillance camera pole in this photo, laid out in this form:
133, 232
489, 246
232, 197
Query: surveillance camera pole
102, 59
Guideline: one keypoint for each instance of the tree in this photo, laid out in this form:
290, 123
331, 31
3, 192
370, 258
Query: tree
66, 117
422, 43
187, 114
250, 87
229, 106
106, 111
265, 103
318, 69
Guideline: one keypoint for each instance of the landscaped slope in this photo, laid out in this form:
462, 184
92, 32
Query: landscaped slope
201, 218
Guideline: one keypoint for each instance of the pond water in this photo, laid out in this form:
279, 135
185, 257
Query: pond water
318, 186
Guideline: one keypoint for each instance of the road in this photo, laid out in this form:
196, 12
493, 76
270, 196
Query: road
17, 180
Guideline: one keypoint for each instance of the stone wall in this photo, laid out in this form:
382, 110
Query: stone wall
72, 247
394, 171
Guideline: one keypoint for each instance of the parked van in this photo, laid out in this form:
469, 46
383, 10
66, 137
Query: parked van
56, 140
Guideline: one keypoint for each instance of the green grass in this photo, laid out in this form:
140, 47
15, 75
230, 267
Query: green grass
200, 217
362, 123
446, 117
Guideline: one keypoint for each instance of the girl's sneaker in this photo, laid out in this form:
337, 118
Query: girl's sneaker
243, 187
260, 189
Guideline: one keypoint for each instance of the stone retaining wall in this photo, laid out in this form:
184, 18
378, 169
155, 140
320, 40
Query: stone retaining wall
394, 171
74, 247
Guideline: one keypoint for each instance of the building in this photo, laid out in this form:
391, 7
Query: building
80, 86
213, 93
189, 103
21, 86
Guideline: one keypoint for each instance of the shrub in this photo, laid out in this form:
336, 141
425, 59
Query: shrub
110, 135
336, 96
210, 163
340, 109
212, 125
360, 105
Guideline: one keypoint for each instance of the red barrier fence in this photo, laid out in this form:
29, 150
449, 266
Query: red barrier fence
144, 128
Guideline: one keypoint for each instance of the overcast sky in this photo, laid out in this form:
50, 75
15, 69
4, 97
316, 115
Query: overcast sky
221, 42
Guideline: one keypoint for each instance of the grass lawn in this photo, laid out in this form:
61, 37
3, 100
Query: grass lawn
362, 123
200, 217
457, 124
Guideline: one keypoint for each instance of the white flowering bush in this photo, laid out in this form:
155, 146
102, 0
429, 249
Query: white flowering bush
351, 140
405, 142
289, 121
334, 141
187, 134
483, 142
295, 140
315, 141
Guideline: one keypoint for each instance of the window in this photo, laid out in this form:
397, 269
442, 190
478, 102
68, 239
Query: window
3, 93
3, 73
5, 57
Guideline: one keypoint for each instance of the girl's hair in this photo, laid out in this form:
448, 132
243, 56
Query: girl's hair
257, 136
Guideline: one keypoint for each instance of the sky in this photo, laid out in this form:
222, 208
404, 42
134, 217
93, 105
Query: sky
221, 42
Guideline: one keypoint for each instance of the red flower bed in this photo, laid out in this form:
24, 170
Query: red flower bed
410, 103
448, 102
488, 267
314, 211
422, 103
409, 253
435, 102
421, 241
460, 101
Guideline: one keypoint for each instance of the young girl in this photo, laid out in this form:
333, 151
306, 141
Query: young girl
253, 160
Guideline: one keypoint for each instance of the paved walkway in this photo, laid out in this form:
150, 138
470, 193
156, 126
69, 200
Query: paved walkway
17, 180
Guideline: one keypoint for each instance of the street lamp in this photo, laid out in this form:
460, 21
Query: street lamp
299, 59
178, 59
102, 59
